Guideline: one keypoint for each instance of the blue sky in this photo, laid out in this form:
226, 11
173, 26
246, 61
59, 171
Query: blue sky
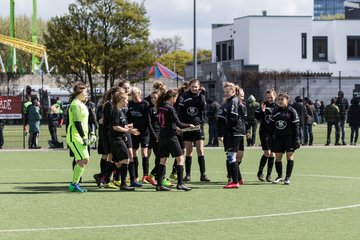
175, 17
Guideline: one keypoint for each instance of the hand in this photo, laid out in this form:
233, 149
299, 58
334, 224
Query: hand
86, 142
130, 125
134, 131
192, 126
297, 144
92, 138
263, 107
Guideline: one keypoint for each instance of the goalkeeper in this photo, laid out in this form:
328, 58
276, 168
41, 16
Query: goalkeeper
78, 137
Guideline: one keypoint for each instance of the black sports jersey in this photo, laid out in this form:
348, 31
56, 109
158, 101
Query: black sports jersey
106, 114
99, 114
155, 121
285, 122
139, 115
168, 121
148, 99
117, 118
192, 107
231, 118
265, 117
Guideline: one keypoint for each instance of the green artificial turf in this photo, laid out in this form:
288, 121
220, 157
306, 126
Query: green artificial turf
322, 202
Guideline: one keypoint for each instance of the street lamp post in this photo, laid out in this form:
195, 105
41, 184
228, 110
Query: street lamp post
195, 52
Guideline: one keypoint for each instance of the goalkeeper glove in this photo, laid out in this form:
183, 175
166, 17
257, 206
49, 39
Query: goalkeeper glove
92, 138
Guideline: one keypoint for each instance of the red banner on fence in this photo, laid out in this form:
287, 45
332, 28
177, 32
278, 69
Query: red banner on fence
10, 107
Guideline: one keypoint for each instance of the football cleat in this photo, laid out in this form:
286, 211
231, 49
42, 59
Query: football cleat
117, 183
111, 185
204, 178
173, 176
162, 188
277, 180
268, 178
287, 181
135, 184
97, 180
241, 182
73, 187
126, 188
261, 177
144, 180
231, 185
183, 188
187, 178
150, 179
167, 183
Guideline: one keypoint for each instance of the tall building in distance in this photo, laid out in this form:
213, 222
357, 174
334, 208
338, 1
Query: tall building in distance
335, 9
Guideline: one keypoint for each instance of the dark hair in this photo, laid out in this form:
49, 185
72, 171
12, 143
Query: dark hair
194, 81
109, 94
183, 87
77, 89
122, 83
333, 100
166, 96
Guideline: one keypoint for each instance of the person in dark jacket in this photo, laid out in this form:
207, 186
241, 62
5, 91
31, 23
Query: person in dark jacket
285, 125
251, 121
354, 120
211, 113
343, 106
53, 119
2, 124
192, 108
309, 121
332, 116
263, 114
231, 132
168, 142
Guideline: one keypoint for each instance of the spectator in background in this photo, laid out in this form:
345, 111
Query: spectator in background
354, 120
251, 123
332, 116
343, 106
2, 123
212, 111
322, 112
53, 118
34, 123
298, 105
26, 107
60, 105
309, 120
317, 111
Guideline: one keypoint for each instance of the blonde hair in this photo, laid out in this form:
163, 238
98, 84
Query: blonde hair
117, 97
135, 91
271, 91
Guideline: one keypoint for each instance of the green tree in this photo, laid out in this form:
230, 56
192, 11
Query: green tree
176, 60
107, 36
204, 55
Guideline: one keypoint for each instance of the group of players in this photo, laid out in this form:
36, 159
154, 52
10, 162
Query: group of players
171, 122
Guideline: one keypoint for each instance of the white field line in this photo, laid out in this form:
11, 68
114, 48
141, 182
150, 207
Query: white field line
181, 222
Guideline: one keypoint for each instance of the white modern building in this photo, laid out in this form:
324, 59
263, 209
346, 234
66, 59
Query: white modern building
293, 44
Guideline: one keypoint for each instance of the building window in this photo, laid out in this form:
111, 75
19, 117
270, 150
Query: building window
353, 47
320, 49
225, 50
303, 45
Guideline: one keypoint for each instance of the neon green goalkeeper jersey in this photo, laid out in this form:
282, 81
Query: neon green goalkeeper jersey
78, 112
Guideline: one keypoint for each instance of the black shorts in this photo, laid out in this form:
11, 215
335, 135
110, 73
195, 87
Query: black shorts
266, 140
128, 140
181, 141
140, 140
119, 150
193, 136
283, 144
233, 143
153, 142
106, 141
169, 146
